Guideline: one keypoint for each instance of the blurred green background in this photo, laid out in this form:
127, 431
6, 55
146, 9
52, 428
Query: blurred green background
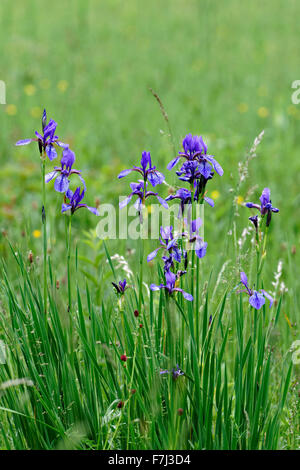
223, 69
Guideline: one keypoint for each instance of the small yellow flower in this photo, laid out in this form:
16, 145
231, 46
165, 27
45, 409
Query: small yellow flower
242, 107
11, 109
292, 110
45, 84
62, 85
36, 233
215, 194
36, 112
263, 112
240, 200
29, 90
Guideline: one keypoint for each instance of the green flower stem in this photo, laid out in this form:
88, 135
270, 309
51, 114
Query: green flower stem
68, 226
171, 329
261, 254
44, 223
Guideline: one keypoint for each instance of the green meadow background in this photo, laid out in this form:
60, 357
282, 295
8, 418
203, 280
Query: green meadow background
223, 69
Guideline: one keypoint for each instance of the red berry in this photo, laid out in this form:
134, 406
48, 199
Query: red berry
124, 358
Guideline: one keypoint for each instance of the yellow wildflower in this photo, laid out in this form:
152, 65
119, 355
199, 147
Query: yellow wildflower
62, 85
263, 112
36, 233
215, 194
242, 107
29, 90
11, 109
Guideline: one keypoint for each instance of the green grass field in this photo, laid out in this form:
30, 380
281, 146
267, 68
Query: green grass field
223, 70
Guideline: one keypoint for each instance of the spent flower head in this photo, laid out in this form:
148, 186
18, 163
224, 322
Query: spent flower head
120, 287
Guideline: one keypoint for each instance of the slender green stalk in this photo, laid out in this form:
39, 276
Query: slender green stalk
68, 226
141, 273
44, 223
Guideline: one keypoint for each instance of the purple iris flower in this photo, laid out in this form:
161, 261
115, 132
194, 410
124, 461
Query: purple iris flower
140, 190
171, 279
61, 174
256, 298
121, 287
265, 206
48, 140
169, 243
196, 150
175, 372
200, 185
184, 195
75, 202
148, 173
194, 237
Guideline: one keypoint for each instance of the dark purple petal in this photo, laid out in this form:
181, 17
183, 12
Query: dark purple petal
256, 300
51, 152
173, 163
196, 224
49, 129
93, 210
170, 280
24, 141
152, 255
39, 136
69, 194
124, 173
156, 178
205, 169
154, 287
186, 295
201, 249
216, 165
162, 202
61, 184
68, 159
268, 296
83, 182
209, 201
50, 176
244, 279
171, 244
145, 160
250, 205
125, 202
62, 145
166, 233
265, 196
65, 207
